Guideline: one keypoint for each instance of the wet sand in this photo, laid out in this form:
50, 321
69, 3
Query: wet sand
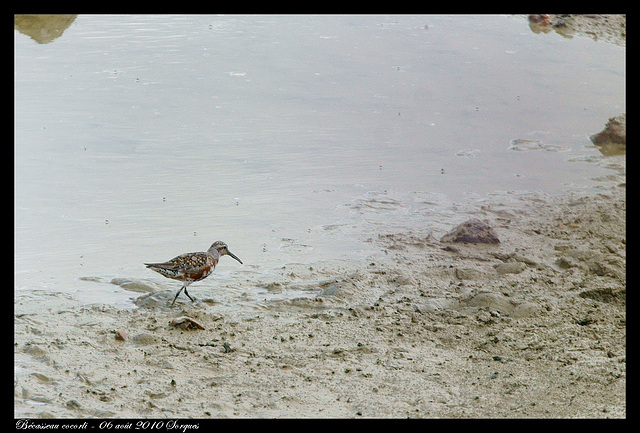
532, 327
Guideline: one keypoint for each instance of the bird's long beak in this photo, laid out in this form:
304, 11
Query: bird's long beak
233, 255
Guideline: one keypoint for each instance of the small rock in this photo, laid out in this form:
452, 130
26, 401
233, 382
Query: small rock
185, 322
540, 19
606, 294
26, 393
485, 318
330, 290
564, 263
510, 268
43, 378
143, 339
472, 231
121, 335
560, 23
338, 352
73, 404
615, 132
491, 302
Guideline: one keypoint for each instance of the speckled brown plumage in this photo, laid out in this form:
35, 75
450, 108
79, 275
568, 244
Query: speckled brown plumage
192, 267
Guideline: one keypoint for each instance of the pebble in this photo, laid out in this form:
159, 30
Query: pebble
540, 19
502, 359
143, 339
73, 404
510, 268
472, 231
185, 322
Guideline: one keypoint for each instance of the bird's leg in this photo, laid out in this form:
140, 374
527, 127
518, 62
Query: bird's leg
184, 287
187, 293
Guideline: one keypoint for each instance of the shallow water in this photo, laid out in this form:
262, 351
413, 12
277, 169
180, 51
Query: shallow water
291, 138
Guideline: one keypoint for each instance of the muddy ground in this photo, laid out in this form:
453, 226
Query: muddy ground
532, 327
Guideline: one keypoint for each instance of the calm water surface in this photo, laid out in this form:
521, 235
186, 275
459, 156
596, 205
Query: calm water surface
292, 138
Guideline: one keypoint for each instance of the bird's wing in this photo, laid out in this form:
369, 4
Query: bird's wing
170, 265
189, 263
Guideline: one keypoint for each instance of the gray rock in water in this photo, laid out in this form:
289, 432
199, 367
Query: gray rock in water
615, 132
472, 231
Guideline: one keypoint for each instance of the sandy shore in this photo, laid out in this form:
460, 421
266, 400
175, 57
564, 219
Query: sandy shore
532, 327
